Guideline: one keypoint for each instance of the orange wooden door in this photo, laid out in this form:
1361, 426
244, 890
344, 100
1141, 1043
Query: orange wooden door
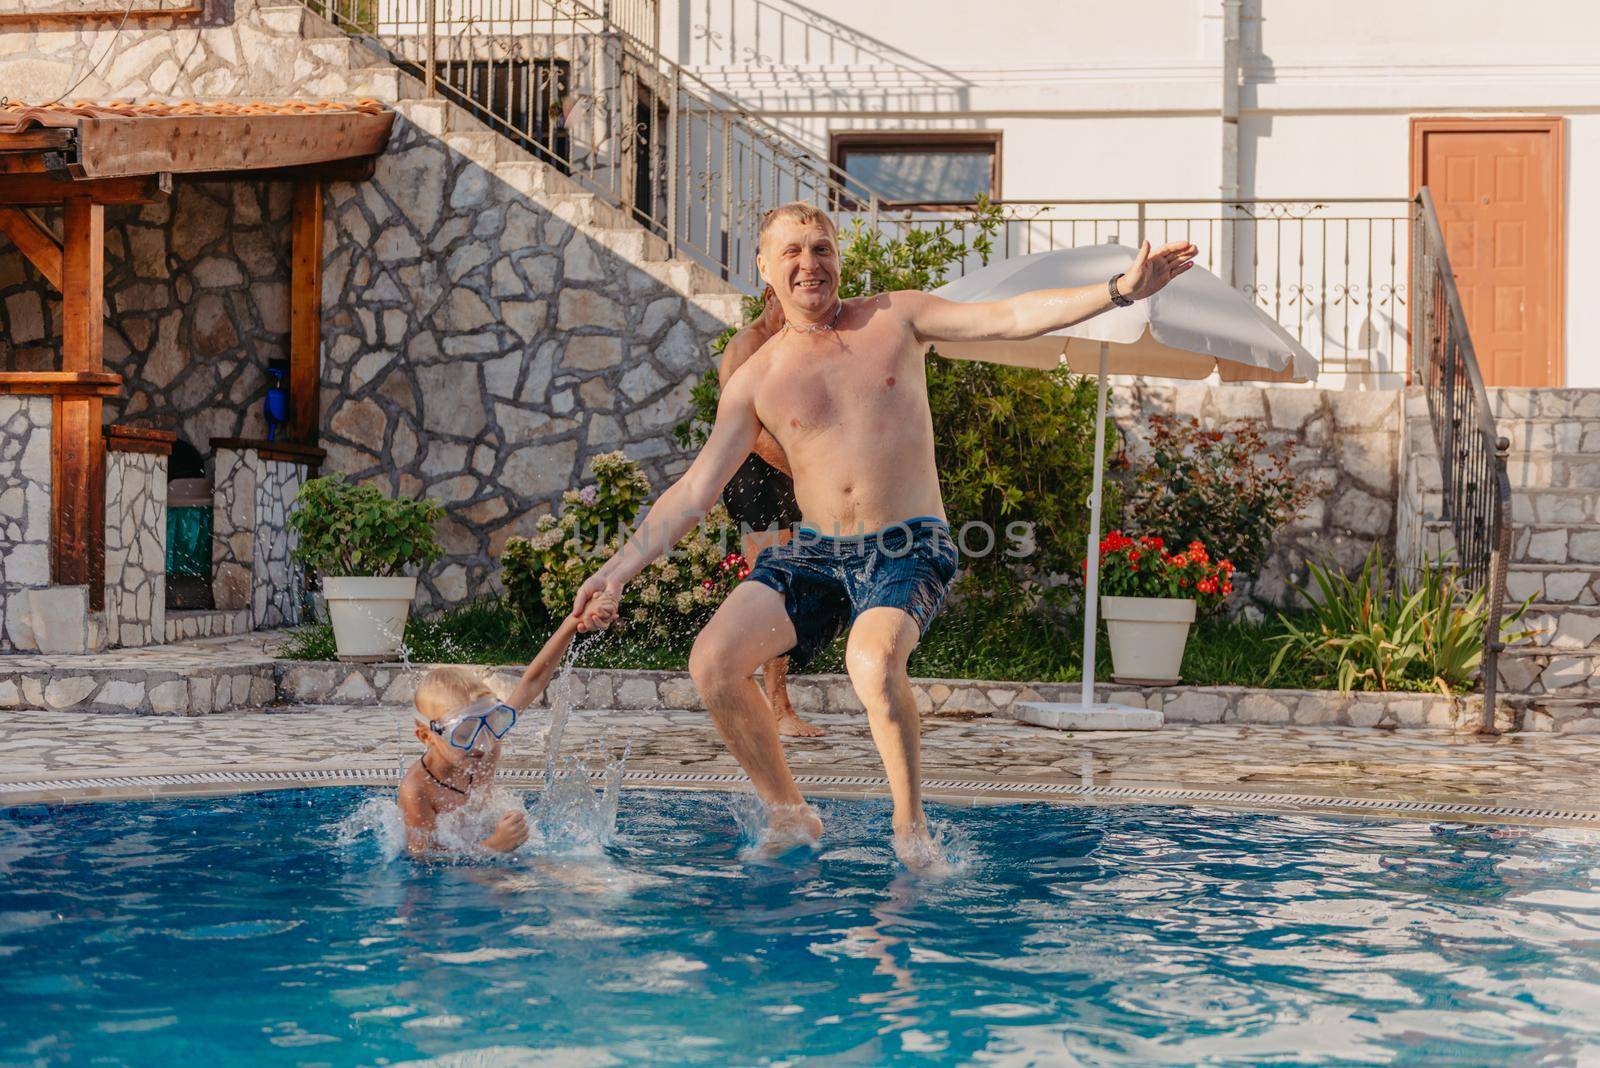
1496, 188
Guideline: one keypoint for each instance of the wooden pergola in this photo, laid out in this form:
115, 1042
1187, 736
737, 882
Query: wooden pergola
81, 157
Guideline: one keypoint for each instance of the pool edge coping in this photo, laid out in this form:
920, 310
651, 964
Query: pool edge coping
153, 785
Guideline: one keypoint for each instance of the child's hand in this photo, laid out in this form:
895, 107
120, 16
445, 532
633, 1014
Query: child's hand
509, 833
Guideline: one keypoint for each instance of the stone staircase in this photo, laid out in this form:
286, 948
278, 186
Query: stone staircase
1554, 467
353, 69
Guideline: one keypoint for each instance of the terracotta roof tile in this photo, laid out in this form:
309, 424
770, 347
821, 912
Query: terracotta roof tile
16, 116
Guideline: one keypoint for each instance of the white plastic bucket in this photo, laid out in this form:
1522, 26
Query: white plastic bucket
368, 614
1148, 636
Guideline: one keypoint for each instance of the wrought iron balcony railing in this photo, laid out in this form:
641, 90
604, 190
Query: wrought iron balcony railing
1332, 272
587, 90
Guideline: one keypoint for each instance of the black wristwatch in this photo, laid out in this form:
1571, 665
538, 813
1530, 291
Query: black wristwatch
1117, 298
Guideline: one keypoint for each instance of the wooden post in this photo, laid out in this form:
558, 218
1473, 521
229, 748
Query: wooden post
305, 312
78, 466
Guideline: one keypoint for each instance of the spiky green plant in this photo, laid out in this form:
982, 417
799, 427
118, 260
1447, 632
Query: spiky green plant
1382, 627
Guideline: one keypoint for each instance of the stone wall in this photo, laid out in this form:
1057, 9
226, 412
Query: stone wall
481, 347
1347, 444
136, 548
25, 426
252, 565
197, 304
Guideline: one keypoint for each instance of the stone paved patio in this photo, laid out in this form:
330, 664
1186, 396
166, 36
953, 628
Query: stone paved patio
1332, 763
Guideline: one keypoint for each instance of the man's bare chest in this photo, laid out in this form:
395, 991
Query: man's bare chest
813, 389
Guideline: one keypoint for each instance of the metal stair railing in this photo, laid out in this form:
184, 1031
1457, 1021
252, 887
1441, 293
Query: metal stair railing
1472, 454
589, 92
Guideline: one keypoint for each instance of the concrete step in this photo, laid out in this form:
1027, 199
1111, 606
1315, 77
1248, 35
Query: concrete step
1553, 470
1567, 627
1552, 506
1558, 673
1553, 583
169, 683
1546, 713
1563, 434
1559, 543
1514, 403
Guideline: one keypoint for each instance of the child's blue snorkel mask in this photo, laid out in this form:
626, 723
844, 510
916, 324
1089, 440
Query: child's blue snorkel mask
466, 726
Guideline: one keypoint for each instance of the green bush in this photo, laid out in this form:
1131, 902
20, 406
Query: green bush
1386, 630
1013, 443
542, 573
1222, 487
352, 530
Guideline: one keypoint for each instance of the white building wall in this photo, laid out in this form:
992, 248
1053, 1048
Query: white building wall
1123, 100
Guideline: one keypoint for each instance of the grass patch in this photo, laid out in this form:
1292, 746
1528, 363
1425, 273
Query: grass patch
971, 640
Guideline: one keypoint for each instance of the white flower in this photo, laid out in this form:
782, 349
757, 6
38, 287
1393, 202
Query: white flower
684, 602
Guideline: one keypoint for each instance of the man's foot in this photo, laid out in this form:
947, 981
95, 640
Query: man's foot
916, 848
790, 825
792, 726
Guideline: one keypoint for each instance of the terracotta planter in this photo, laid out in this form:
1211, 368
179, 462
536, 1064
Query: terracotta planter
1148, 636
368, 615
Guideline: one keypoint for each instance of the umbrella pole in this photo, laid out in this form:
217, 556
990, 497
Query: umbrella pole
1091, 579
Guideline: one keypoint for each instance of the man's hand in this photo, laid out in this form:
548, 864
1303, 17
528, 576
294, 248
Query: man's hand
509, 833
595, 607
1153, 270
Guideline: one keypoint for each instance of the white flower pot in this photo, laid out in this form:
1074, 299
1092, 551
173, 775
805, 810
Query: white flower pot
1148, 635
368, 615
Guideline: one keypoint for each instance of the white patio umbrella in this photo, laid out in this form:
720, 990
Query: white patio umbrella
1197, 325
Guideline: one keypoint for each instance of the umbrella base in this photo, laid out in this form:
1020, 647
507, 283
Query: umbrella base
1064, 716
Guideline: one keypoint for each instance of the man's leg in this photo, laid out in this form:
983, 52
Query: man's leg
880, 643
775, 672
752, 626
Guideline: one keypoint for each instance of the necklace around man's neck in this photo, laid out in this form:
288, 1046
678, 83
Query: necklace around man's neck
818, 327
438, 781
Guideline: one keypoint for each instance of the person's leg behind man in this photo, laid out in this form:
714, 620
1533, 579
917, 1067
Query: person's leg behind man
876, 654
750, 628
775, 672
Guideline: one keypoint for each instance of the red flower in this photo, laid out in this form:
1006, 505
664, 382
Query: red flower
1181, 560
744, 572
1227, 588
708, 584
1206, 585
1133, 557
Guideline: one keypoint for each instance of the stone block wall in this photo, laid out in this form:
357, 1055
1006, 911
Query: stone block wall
136, 548
252, 565
25, 427
481, 346
1347, 444
197, 301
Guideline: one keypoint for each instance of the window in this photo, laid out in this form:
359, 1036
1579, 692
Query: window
922, 169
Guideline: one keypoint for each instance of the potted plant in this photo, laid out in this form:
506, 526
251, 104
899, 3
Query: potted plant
1150, 597
358, 541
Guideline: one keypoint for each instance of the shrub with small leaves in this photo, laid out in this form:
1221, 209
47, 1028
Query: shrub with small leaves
542, 573
1225, 488
350, 529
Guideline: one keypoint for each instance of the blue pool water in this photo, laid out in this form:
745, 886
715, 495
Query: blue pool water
263, 929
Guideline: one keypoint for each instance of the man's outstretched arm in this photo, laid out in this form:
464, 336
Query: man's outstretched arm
682, 505
1031, 314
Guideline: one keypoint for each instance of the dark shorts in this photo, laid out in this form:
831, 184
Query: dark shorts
827, 582
760, 496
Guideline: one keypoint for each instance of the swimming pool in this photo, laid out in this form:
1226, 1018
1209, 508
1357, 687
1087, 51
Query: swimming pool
251, 928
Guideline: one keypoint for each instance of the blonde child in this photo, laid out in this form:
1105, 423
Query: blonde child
460, 722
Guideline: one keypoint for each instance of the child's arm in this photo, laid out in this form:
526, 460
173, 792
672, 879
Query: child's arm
544, 665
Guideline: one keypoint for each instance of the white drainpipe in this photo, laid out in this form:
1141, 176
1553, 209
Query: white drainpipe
1229, 187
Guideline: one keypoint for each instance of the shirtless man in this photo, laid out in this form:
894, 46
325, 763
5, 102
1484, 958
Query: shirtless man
843, 391
760, 497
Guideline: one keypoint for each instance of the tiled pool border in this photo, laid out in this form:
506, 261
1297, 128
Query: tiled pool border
76, 789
